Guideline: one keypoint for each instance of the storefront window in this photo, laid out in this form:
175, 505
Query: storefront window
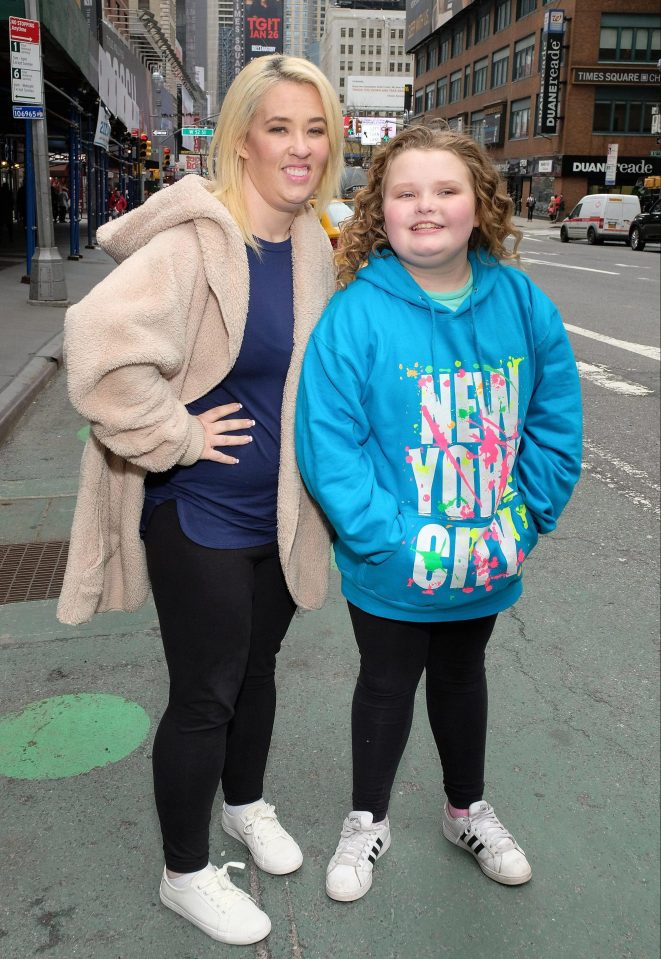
500, 67
480, 70
629, 38
519, 119
524, 55
615, 114
455, 86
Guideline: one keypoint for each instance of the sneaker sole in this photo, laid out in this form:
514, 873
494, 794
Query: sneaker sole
352, 897
260, 863
497, 877
230, 940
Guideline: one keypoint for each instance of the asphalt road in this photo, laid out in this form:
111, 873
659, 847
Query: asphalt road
611, 295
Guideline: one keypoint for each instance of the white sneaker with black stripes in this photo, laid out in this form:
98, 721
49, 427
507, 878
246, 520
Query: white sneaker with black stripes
349, 873
482, 834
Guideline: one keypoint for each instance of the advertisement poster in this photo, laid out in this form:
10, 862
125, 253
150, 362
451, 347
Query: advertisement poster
263, 28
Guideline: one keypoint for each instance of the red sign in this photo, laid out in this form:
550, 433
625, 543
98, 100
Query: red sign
25, 30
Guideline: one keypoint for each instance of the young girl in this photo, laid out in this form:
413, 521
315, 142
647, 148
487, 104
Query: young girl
439, 427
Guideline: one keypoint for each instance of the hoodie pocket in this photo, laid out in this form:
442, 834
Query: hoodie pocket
440, 562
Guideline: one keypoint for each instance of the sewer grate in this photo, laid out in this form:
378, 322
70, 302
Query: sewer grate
31, 571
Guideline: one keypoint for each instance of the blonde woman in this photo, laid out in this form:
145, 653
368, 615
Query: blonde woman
186, 362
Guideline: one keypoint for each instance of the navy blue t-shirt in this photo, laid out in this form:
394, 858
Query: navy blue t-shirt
230, 507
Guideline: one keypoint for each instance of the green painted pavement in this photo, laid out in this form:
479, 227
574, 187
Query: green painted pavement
67, 735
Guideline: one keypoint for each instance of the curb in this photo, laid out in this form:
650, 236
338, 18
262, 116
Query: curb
28, 383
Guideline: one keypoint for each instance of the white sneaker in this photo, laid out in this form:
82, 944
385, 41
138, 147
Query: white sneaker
483, 835
349, 873
272, 848
218, 907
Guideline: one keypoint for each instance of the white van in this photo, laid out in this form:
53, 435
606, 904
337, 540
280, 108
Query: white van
599, 217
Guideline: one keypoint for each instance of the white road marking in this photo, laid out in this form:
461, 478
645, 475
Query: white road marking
602, 376
533, 252
645, 279
568, 266
652, 352
601, 472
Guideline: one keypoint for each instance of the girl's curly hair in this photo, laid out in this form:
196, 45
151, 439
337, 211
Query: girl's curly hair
364, 233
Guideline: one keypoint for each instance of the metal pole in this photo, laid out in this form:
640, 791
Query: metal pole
47, 283
28, 187
74, 186
105, 186
91, 172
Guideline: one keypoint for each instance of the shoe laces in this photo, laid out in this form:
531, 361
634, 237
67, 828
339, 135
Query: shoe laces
490, 830
263, 823
355, 843
219, 887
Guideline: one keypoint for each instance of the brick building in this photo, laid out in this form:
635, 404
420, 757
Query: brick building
479, 64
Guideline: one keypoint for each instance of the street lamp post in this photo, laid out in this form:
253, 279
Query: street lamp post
158, 80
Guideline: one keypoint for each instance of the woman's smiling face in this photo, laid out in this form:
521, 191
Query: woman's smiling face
287, 148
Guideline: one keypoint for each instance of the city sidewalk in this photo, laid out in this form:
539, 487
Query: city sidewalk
32, 333
572, 760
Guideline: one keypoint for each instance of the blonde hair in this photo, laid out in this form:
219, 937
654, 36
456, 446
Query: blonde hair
364, 232
239, 107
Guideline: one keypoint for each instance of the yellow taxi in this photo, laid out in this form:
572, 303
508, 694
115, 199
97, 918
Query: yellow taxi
333, 216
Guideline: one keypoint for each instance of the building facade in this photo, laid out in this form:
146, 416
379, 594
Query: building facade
363, 42
480, 64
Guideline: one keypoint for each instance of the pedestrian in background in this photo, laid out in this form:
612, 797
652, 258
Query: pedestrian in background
531, 203
113, 197
186, 361
63, 204
552, 208
439, 428
559, 207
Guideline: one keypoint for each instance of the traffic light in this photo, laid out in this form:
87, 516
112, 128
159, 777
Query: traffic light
143, 147
408, 94
166, 157
148, 150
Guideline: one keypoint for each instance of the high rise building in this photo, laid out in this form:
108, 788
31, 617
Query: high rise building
363, 40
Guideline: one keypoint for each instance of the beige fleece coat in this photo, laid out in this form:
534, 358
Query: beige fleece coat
161, 330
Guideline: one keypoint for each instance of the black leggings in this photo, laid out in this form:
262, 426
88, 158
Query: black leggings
223, 614
393, 655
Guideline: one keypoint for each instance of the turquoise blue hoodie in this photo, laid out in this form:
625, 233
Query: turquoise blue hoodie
438, 444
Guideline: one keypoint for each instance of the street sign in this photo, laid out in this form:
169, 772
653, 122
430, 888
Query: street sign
27, 112
25, 61
655, 153
160, 133
197, 132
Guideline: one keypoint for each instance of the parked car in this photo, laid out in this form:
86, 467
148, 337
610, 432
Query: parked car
646, 228
331, 219
601, 216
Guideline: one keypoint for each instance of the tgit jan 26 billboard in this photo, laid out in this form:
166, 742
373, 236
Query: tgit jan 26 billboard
263, 28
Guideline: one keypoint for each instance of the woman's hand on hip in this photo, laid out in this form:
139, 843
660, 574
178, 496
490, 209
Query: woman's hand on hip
218, 430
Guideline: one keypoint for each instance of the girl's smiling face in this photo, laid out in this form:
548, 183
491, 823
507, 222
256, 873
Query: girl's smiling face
429, 212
